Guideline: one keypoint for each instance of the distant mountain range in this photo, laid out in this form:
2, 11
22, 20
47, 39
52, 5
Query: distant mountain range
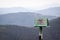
13, 10
53, 11
26, 18
21, 18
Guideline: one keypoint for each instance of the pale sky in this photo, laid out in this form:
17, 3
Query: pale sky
32, 4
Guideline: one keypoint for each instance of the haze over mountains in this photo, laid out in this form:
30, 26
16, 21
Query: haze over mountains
53, 11
26, 18
13, 10
21, 18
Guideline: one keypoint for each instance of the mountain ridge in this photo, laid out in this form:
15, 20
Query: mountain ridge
21, 18
54, 11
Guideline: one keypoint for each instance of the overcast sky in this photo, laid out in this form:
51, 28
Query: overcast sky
29, 4
32, 4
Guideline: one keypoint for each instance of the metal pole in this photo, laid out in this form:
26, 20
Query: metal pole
40, 32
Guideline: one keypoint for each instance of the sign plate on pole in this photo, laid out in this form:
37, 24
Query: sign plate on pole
40, 22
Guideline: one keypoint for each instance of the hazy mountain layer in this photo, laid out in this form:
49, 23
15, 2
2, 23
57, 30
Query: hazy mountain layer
21, 18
